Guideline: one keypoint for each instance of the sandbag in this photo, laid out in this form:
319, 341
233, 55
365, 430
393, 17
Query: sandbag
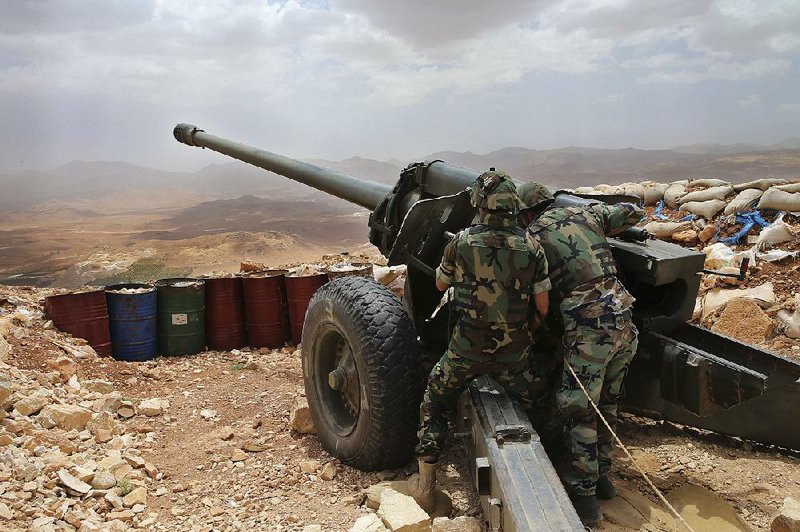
760, 184
718, 193
666, 229
673, 193
633, 189
706, 183
776, 233
743, 201
790, 321
584, 190
602, 188
653, 192
780, 200
789, 187
706, 209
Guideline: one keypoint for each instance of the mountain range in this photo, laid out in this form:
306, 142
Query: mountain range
564, 167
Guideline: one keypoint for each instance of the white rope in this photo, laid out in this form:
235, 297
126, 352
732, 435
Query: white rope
622, 446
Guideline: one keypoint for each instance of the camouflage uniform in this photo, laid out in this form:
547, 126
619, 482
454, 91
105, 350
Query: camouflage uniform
494, 273
599, 337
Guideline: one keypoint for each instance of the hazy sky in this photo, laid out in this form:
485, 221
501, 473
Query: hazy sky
108, 79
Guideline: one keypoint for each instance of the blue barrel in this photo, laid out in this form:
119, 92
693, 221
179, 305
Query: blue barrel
132, 315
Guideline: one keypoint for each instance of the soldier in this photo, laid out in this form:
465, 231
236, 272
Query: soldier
599, 337
497, 279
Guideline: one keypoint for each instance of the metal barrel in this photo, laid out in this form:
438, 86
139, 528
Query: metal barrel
365, 193
181, 316
225, 321
298, 294
83, 315
133, 321
265, 308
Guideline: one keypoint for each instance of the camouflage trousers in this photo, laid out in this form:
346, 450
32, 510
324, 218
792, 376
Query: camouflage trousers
507, 364
600, 356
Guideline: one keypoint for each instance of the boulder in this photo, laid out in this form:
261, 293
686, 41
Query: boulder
65, 417
687, 237
73, 485
368, 523
150, 407
65, 366
5, 391
28, 406
329, 471
718, 298
401, 513
707, 233
459, 524
136, 496
300, 417
744, 320
103, 480
788, 520
310, 467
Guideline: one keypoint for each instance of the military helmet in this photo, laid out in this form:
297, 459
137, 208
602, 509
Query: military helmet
495, 191
534, 195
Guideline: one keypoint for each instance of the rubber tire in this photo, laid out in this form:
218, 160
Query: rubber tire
384, 344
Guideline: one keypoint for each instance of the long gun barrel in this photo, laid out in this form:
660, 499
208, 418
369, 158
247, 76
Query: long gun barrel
442, 179
367, 194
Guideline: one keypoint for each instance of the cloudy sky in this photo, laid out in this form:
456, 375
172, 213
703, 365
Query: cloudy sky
108, 79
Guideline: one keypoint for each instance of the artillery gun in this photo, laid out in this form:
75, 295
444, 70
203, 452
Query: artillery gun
364, 352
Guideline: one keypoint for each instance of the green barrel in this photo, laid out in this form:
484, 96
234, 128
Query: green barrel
181, 316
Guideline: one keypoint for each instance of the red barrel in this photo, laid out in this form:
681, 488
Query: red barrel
298, 293
225, 329
265, 308
83, 315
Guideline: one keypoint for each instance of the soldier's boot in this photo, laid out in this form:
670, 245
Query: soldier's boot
421, 485
605, 488
587, 508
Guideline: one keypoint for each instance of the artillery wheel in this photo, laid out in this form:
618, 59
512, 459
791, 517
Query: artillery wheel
362, 373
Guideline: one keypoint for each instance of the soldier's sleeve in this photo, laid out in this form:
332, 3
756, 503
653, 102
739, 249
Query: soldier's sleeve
541, 281
444, 273
617, 218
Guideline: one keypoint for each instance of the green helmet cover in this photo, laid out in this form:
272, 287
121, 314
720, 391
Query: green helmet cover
495, 191
534, 195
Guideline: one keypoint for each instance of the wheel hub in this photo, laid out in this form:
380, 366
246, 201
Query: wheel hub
337, 379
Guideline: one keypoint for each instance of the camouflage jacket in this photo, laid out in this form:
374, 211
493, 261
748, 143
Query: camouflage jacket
494, 272
582, 269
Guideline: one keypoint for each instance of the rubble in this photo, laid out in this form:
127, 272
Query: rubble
401, 513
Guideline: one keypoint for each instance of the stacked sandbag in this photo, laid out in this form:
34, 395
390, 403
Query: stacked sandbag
744, 201
781, 198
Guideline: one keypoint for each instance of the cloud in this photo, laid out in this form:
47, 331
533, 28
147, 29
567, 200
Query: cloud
750, 101
792, 109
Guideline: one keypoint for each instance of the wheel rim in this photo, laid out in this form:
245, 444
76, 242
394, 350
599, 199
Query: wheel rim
336, 380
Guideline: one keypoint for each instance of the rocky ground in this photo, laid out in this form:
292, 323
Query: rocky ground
209, 442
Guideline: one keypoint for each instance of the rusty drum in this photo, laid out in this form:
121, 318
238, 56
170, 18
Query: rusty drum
265, 308
298, 294
225, 322
83, 315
